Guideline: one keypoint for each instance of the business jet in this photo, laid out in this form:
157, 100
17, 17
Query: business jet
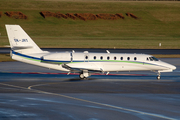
24, 49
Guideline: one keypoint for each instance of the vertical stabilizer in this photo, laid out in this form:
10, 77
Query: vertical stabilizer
20, 41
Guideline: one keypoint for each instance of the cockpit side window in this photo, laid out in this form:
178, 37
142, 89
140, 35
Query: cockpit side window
153, 59
150, 58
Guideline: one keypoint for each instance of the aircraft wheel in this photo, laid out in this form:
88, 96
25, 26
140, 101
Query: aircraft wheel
158, 77
81, 76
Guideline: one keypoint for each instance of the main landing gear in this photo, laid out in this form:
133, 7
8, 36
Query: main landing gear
84, 74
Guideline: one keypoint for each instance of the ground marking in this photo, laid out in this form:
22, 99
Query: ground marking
102, 104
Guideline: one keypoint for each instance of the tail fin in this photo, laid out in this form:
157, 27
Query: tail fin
20, 41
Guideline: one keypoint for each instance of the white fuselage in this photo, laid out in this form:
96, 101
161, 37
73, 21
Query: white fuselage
104, 62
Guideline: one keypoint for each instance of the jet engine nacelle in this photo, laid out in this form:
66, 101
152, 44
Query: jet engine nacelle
61, 57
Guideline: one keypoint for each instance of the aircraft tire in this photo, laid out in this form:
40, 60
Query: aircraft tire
158, 77
81, 76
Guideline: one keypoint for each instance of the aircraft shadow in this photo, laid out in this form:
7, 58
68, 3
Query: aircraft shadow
78, 79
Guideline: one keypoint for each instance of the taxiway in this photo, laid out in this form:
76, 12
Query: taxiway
31, 92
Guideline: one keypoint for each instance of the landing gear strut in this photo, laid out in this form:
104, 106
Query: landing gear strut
159, 76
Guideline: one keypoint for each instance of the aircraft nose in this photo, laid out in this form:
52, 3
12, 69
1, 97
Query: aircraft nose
173, 67
169, 66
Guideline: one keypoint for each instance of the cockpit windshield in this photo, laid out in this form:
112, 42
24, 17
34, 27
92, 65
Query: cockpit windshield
153, 59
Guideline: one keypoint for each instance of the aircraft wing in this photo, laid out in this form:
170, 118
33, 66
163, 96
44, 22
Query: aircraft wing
80, 69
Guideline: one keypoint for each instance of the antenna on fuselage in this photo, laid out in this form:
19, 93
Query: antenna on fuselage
107, 51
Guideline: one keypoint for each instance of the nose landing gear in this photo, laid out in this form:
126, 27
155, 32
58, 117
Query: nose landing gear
159, 76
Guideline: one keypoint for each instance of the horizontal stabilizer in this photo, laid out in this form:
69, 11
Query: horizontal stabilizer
21, 47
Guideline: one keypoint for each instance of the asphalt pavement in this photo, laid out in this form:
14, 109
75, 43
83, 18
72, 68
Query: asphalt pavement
31, 92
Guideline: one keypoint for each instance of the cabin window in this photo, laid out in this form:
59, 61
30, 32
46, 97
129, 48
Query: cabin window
101, 57
121, 58
94, 57
108, 58
135, 58
128, 58
147, 59
86, 57
114, 58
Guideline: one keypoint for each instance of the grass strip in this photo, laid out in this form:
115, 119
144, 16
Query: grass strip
158, 22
